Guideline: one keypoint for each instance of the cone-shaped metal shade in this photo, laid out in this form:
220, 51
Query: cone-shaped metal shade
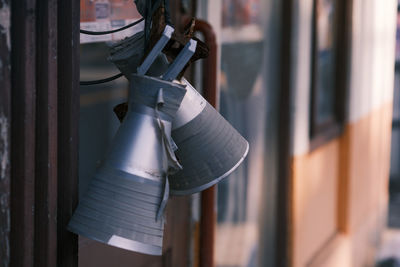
122, 205
209, 148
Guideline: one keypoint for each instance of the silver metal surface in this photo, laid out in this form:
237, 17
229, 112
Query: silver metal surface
158, 47
192, 105
180, 61
123, 204
146, 93
213, 182
128, 53
121, 242
137, 148
209, 148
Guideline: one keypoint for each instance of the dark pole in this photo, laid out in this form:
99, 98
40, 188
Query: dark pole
45, 234
68, 118
5, 134
23, 109
208, 213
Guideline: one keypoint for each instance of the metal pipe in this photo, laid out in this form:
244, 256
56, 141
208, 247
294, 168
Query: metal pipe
208, 211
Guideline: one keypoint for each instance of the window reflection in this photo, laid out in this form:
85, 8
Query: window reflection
243, 104
97, 122
325, 60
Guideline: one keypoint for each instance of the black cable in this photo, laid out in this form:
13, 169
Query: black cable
166, 12
112, 31
147, 23
109, 79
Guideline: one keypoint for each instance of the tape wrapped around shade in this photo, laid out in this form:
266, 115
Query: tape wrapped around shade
124, 203
172, 94
209, 148
113, 210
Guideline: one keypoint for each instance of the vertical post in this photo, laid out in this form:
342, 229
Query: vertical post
68, 118
285, 139
45, 235
5, 120
44, 107
23, 109
208, 217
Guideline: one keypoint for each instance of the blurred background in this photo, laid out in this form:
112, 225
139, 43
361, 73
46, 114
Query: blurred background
313, 85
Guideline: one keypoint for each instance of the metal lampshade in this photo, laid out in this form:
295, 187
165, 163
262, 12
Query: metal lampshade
209, 148
123, 204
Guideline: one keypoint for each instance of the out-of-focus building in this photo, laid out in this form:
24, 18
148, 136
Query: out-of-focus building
329, 65
340, 187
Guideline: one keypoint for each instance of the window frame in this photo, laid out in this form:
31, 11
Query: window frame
322, 132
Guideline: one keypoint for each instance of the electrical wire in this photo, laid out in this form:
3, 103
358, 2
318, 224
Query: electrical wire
112, 31
109, 79
102, 33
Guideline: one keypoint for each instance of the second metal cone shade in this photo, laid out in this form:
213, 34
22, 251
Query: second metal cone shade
123, 202
209, 148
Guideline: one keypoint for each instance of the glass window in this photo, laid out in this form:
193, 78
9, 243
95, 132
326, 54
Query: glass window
327, 91
325, 65
243, 104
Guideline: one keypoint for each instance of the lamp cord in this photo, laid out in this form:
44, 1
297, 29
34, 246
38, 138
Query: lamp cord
109, 79
102, 33
112, 31
149, 11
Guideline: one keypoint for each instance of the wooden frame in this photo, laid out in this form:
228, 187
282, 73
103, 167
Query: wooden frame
345, 9
322, 132
68, 117
23, 65
284, 187
5, 136
44, 101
